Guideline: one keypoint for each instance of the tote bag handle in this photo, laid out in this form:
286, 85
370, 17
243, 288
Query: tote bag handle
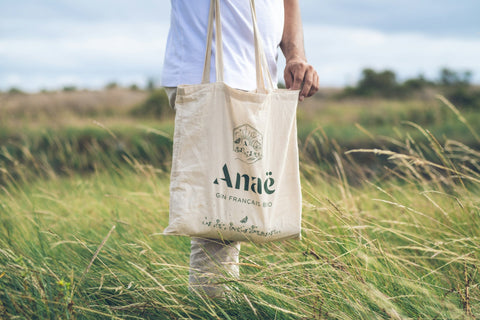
263, 78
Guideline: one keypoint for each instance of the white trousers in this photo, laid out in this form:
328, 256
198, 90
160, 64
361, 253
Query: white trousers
211, 261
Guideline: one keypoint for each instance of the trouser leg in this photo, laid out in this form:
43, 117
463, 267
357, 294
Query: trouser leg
211, 262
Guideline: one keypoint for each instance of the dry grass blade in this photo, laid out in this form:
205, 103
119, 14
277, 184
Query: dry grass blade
415, 160
91, 262
459, 116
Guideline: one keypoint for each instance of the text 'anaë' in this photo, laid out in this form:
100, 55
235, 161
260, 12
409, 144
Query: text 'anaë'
248, 183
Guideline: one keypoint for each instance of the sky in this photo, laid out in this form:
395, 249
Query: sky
49, 44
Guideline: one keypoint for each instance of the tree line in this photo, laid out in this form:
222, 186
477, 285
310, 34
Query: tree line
454, 85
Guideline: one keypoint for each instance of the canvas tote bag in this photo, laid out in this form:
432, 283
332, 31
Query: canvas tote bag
235, 170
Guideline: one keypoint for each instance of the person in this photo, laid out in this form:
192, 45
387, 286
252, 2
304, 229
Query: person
280, 25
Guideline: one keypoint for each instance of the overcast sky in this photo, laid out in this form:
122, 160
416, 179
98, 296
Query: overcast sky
53, 43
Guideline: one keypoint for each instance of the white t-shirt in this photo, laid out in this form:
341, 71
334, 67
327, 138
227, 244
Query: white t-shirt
185, 52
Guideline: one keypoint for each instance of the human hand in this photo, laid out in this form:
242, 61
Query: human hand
299, 75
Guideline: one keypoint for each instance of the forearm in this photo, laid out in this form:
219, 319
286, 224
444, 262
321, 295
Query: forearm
292, 40
298, 74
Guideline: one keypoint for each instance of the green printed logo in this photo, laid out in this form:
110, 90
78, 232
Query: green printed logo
248, 183
247, 143
245, 229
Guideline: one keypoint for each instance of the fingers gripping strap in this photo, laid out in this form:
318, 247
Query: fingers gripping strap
261, 65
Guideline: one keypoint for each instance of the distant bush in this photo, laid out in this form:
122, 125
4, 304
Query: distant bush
15, 90
456, 86
450, 78
69, 89
416, 84
377, 83
111, 85
151, 84
464, 97
156, 105
134, 87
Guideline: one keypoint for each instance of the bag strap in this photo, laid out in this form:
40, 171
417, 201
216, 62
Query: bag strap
214, 14
263, 78
261, 65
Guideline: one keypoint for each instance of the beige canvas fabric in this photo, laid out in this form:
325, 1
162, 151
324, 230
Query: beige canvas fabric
235, 172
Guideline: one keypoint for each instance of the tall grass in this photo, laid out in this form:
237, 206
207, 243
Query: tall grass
33, 153
400, 242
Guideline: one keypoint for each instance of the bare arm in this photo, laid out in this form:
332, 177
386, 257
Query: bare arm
298, 73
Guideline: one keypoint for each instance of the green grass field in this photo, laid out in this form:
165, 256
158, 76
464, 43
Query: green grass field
83, 203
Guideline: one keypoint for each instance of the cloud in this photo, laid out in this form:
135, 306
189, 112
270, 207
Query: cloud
433, 17
87, 10
78, 52
340, 53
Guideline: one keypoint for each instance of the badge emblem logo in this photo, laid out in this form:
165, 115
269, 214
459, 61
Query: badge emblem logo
247, 143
